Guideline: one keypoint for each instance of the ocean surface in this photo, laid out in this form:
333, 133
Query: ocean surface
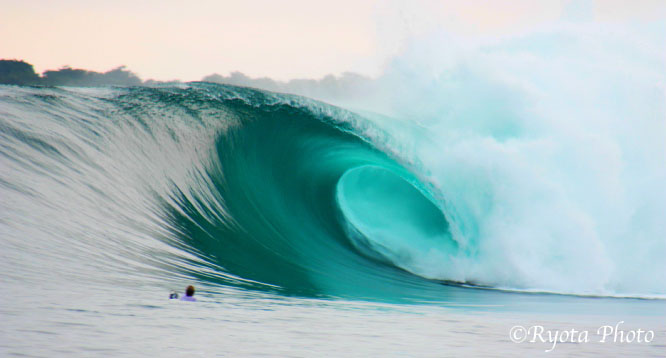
310, 230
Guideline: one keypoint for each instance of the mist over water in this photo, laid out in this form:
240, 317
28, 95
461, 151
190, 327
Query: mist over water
547, 149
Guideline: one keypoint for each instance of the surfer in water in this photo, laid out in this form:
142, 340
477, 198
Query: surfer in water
189, 294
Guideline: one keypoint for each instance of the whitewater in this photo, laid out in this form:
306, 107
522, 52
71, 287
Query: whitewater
471, 185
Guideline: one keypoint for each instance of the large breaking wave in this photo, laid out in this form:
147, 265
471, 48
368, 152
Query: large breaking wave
524, 173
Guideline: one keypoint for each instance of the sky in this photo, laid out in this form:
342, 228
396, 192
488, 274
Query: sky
188, 40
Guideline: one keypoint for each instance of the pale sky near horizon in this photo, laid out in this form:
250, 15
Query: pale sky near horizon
187, 40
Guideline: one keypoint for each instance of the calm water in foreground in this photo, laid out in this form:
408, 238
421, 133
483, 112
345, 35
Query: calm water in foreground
64, 320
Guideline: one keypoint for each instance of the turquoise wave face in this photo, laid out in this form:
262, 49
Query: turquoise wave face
309, 208
389, 218
248, 189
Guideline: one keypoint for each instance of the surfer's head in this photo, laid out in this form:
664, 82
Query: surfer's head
189, 291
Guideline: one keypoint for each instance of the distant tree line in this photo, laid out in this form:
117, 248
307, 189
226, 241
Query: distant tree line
18, 72
343, 88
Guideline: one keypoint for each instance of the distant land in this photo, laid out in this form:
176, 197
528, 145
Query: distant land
336, 88
19, 72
